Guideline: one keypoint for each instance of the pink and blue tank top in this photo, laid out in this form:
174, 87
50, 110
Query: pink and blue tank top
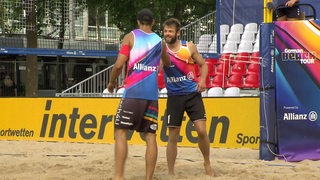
180, 76
142, 66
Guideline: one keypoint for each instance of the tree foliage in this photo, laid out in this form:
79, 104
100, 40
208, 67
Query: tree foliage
123, 12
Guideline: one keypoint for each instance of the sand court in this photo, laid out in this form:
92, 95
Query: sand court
63, 160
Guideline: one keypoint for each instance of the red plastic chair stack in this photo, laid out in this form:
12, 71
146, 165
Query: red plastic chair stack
238, 68
255, 57
243, 57
223, 67
226, 57
252, 81
219, 80
235, 80
211, 67
253, 68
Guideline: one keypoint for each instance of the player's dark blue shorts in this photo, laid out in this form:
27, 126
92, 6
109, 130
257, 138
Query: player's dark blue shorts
192, 104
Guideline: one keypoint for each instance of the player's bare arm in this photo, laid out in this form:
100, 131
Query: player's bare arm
196, 56
123, 56
165, 58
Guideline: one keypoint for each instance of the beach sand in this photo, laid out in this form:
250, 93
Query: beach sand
62, 160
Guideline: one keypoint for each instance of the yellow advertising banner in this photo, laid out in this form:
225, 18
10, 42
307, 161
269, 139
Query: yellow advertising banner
231, 123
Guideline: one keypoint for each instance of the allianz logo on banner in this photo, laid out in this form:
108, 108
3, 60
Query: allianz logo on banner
312, 116
298, 55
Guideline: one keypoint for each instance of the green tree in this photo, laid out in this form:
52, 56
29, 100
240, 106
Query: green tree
11, 11
123, 12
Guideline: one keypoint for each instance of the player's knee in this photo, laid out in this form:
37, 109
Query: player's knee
202, 134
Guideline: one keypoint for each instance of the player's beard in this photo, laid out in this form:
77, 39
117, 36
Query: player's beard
171, 40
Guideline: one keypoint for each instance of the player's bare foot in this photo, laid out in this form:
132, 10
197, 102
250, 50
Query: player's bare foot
208, 169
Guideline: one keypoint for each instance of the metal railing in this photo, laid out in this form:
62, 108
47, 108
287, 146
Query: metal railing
93, 86
203, 34
204, 25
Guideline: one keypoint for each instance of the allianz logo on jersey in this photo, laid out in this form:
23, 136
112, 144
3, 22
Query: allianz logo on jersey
143, 67
298, 55
312, 116
176, 79
173, 79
